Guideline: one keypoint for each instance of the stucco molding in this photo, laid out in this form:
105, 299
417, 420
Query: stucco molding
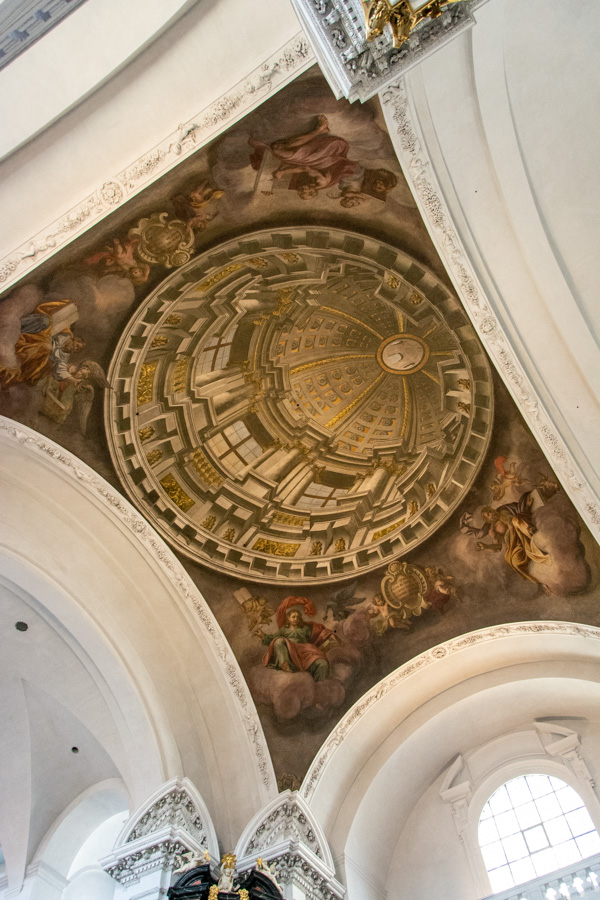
412, 152
271, 75
423, 661
143, 534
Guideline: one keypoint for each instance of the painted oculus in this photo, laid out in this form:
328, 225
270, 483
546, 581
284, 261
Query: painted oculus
290, 406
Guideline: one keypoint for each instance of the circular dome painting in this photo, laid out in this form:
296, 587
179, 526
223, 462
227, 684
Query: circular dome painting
302, 404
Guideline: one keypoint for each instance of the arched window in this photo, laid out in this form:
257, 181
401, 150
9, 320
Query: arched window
531, 826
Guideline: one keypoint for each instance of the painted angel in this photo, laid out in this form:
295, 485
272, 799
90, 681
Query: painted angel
73, 393
119, 257
505, 478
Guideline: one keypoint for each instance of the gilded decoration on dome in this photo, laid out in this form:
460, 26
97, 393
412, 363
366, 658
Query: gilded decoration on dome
329, 412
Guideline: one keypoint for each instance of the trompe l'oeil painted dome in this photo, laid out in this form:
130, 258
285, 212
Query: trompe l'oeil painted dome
299, 404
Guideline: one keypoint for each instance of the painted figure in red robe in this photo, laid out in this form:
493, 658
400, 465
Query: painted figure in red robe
298, 645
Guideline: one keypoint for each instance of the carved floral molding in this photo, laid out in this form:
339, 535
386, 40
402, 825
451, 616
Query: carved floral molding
275, 72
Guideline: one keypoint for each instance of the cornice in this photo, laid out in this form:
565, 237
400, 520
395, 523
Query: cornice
423, 661
271, 75
417, 166
142, 533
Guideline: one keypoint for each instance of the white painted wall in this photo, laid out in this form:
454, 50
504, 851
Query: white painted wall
196, 58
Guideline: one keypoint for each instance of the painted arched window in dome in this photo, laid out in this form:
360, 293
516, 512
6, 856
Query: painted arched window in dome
531, 826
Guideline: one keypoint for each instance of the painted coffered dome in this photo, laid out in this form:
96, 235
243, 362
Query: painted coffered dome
300, 404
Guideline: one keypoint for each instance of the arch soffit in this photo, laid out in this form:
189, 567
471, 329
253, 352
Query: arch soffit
379, 723
71, 829
33, 456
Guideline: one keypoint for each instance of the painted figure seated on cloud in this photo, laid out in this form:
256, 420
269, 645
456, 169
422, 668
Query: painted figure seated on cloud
297, 646
539, 537
314, 160
45, 344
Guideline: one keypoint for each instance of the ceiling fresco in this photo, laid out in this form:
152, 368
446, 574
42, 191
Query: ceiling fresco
299, 406
263, 351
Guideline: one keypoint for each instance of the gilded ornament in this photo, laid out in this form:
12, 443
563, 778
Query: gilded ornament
413, 508
163, 241
244, 895
291, 258
173, 319
393, 281
174, 490
213, 892
316, 548
404, 587
146, 433
387, 530
205, 469
145, 383
217, 277
340, 545
416, 299
464, 407
430, 490
159, 341
209, 523
464, 383
178, 378
400, 16
276, 548
258, 262
229, 534
154, 456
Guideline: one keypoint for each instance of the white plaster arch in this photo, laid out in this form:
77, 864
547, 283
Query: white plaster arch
77, 822
110, 581
393, 744
496, 137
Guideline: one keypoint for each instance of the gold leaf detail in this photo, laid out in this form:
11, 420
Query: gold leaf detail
347, 409
257, 262
287, 519
205, 469
217, 277
154, 456
387, 530
209, 523
291, 258
174, 490
159, 341
145, 383
173, 319
146, 433
178, 377
276, 548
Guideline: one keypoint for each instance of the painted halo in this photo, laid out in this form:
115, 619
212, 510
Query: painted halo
299, 404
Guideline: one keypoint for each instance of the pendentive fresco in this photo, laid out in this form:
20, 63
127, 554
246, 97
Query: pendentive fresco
264, 353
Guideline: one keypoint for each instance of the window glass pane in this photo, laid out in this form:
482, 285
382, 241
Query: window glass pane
518, 791
542, 824
539, 785
567, 853
488, 832
557, 830
527, 815
515, 847
589, 844
536, 838
500, 801
507, 823
548, 806
501, 879
579, 821
568, 799
522, 870
493, 855
544, 862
